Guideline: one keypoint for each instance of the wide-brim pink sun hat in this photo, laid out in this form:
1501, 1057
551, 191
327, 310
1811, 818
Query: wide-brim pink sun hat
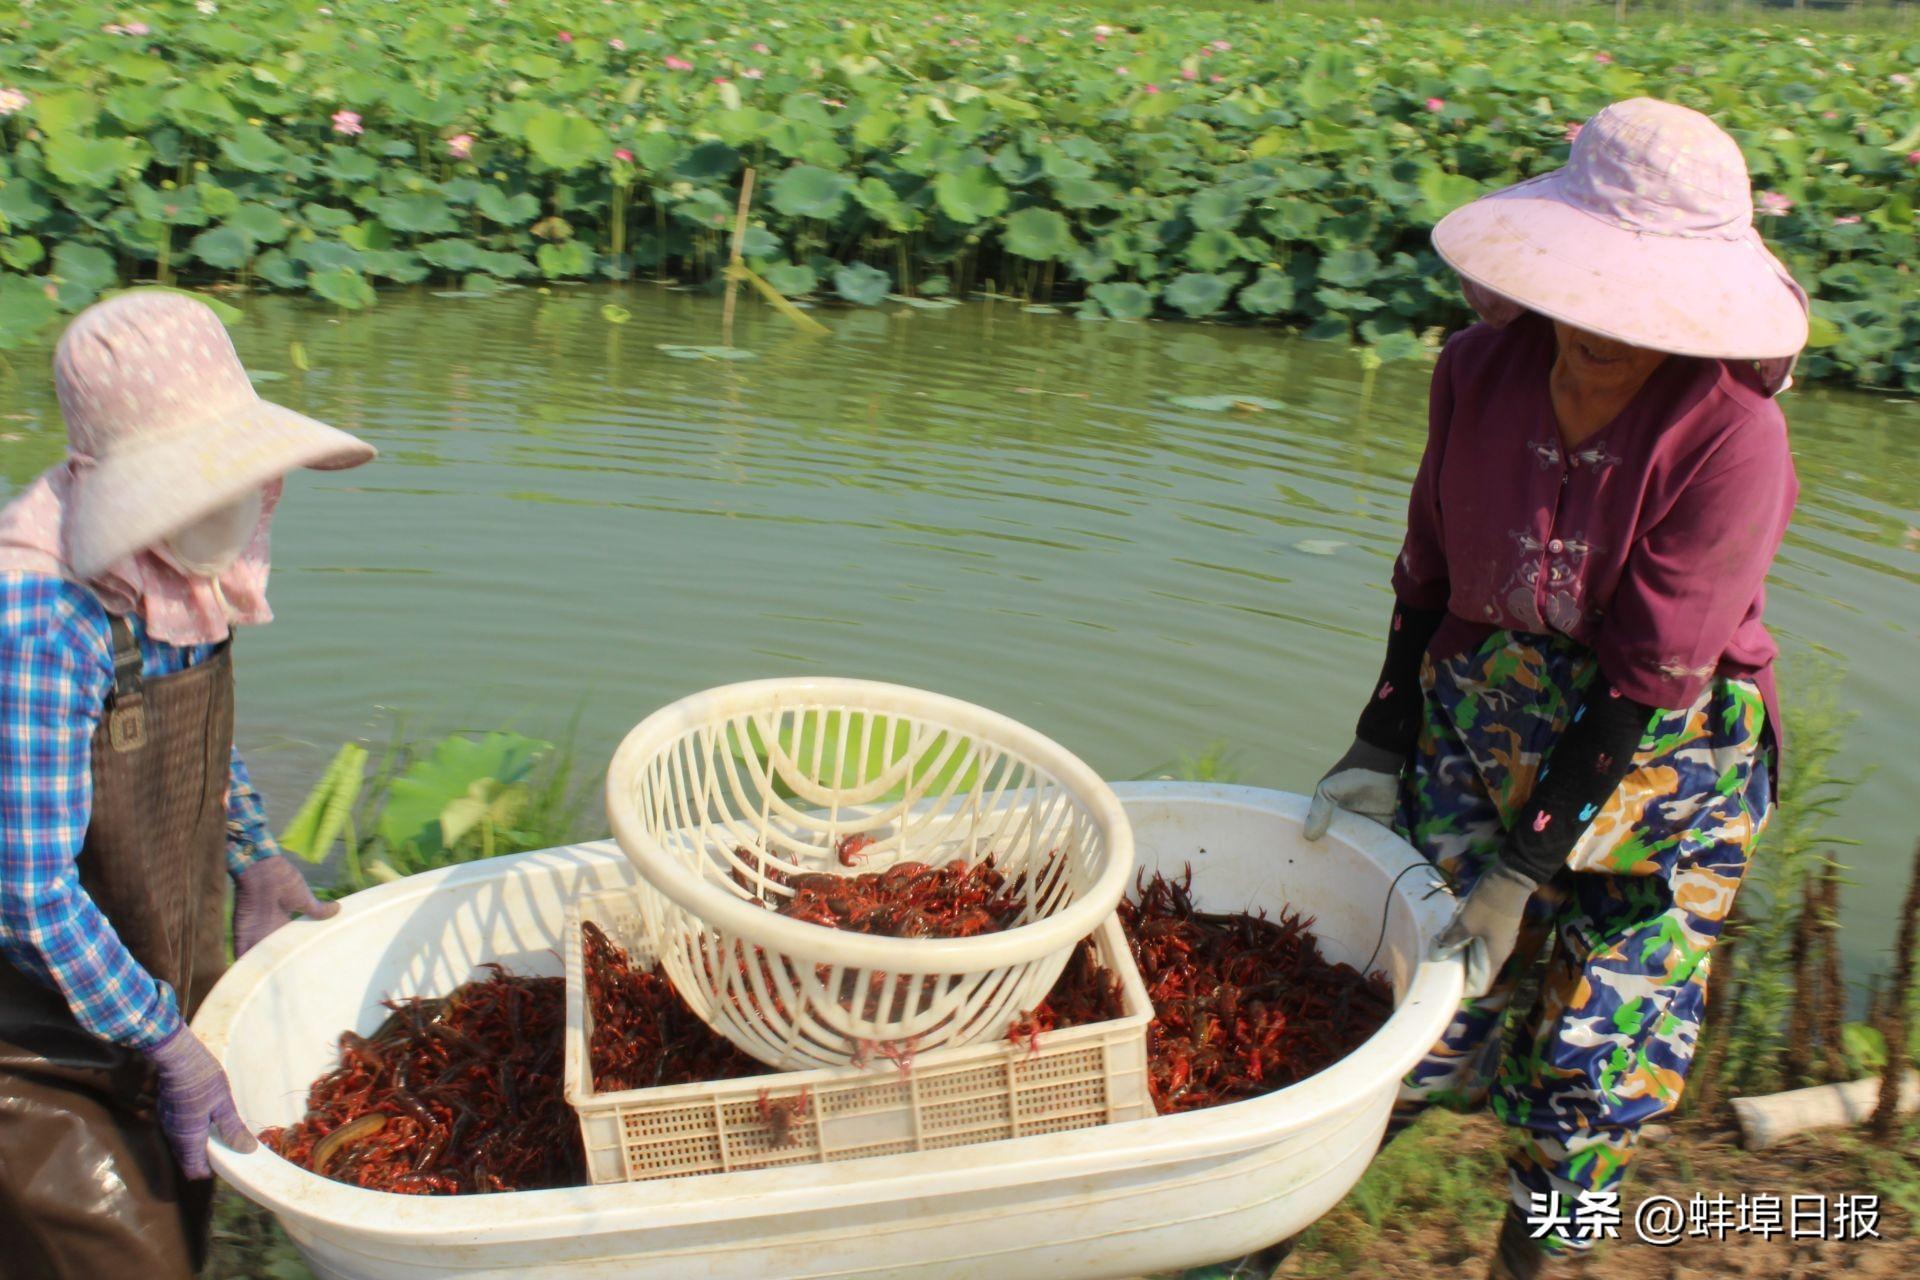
1646, 237
164, 426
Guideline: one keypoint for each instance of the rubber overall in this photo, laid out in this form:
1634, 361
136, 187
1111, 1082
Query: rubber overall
88, 1186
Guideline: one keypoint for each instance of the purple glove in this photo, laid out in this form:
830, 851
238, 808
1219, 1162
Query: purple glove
194, 1098
266, 895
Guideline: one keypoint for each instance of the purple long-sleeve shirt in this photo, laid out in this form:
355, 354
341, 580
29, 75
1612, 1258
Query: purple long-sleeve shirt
1650, 542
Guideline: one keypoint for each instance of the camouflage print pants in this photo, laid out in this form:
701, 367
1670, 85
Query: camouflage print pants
1627, 927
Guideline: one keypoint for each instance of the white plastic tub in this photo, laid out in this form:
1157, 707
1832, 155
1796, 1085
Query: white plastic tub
1114, 1201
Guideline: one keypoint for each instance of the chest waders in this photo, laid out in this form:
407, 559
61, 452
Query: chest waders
89, 1188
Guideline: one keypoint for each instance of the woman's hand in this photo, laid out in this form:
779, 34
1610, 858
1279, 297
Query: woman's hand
1365, 781
1486, 925
266, 895
195, 1101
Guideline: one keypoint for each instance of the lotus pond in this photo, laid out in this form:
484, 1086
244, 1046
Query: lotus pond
1167, 545
1231, 160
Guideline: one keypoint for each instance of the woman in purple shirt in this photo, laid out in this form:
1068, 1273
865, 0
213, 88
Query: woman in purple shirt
1576, 717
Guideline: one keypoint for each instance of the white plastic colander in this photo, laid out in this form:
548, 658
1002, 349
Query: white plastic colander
720, 798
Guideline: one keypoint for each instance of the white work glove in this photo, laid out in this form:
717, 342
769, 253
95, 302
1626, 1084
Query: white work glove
1486, 925
1365, 781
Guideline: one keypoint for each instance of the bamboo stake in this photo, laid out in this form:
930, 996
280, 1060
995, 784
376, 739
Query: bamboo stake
1897, 1026
737, 270
734, 262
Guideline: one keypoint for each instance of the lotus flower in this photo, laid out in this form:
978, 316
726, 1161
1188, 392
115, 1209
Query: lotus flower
11, 101
565, 37
1572, 131
752, 73
623, 154
460, 146
207, 8
617, 45
678, 64
1902, 79
1846, 220
347, 123
1188, 73
1603, 58
1436, 105
1774, 205
1153, 88
1221, 46
761, 48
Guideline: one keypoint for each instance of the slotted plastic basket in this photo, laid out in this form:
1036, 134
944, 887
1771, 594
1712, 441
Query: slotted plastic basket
1072, 1078
721, 798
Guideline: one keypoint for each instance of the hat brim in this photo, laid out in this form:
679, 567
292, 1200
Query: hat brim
136, 497
1691, 296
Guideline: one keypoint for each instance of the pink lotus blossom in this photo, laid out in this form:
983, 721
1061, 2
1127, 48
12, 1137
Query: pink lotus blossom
624, 155
1436, 105
1023, 39
678, 64
1573, 131
1902, 79
460, 146
1153, 88
1216, 79
1846, 220
1829, 115
11, 101
1221, 45
1206, 51
1913, 157
761, 48
617, 45
1123, 71
1099, 39
347, 122
723, 80
1603, 58
752, 73
565, 37
1188, 73
139, 29
1773, 204
1102, 30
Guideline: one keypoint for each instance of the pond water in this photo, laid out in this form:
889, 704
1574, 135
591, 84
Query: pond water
1005, 506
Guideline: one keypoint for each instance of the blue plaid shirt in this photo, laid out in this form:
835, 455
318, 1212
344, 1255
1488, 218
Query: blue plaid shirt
56, 669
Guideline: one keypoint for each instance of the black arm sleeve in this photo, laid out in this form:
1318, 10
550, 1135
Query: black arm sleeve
1577, 777
1392, 716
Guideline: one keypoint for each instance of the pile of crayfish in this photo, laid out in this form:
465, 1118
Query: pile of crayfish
1242, 1005
1087, 992
453, 1095
907, 900
644, 1035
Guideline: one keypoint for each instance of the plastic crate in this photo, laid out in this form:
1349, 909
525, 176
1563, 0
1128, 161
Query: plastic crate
1076, 1078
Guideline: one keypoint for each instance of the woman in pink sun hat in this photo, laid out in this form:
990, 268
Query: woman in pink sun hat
124, 810
1576, 718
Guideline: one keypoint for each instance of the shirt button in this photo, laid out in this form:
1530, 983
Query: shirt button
1556, 546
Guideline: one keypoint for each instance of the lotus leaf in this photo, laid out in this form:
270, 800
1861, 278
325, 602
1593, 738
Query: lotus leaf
808, 191
861, 284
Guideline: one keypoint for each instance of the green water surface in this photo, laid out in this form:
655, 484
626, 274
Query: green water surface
1005, 506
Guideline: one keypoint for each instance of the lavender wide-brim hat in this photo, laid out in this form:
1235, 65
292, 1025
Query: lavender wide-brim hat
1646, 237
164, 426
